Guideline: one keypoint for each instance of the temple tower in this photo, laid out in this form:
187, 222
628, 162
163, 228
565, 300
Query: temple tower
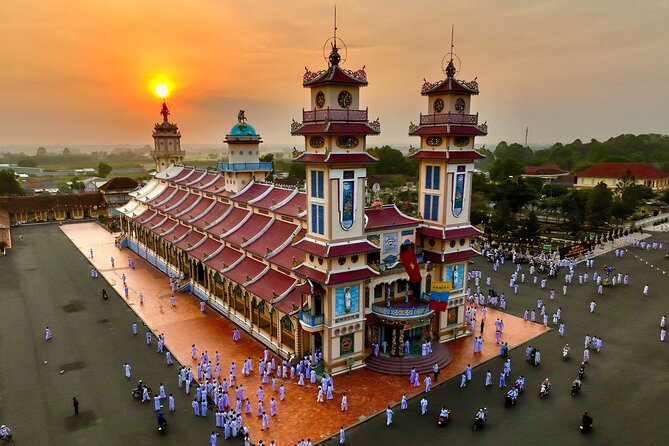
167, 143
335, 129
243, 164
446, 156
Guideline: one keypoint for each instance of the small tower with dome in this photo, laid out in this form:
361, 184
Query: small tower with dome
243, 165
167, 142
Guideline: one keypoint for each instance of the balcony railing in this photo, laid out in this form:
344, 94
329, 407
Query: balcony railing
334, 114
400, 311
241, 167
312, 321
448, 118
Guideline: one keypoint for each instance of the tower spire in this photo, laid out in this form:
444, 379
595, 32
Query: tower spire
450, 69
334, 57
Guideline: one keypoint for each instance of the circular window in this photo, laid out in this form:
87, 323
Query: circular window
438, 105
461, 141
434, 141
320, 261
354, 258
431, 242
250, 152
311, 257
320, 99
316, 142
452, 243
347, 142
232, 152
345, 99
460, 105
341, 260
462, 242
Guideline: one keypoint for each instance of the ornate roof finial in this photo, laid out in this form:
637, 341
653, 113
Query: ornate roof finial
334, 58
450, 69
165, 111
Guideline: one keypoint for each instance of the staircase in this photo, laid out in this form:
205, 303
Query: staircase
440, 355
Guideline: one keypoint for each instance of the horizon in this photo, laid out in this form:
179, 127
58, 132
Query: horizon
566, 70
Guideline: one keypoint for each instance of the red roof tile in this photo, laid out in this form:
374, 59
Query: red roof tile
640, 171
246, 270
218, 185
205, 181
211, 216
336, 128
207, 248
350, 276
196, 178
163, 196
450, 85
276, 196
177, 233
251, 227
330, 251
186, 175
229, 222
335, 75
293, 300
449, 234
174, 199
311, 273
271, 285
165, 226
285, 257
294, 206
199, 208
251, 192
146, 216
31, 203
187, 242
451, 256
388, 216
276, 235
188, 202
223, 259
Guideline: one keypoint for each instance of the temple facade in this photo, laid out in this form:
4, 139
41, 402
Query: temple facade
315, 269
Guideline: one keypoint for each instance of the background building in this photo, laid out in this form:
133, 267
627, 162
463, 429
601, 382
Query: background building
611, 173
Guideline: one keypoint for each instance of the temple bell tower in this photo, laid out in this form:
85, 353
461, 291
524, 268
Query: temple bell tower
446, 160
335, 128
167, 143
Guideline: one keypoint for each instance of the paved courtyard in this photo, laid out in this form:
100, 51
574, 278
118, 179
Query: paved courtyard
626, 387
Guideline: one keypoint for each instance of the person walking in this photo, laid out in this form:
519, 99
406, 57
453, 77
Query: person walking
75, 405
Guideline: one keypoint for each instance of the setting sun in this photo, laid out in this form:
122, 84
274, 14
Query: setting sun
162, 91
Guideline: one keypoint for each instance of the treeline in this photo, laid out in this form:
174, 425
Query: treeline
42, 158
577, 155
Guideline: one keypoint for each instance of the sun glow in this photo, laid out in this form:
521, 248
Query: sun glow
162, 91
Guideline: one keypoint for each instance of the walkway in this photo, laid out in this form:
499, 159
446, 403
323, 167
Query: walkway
299, 416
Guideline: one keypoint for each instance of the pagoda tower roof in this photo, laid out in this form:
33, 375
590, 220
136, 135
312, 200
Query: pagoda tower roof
335, 75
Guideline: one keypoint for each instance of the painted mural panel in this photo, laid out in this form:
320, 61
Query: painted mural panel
346, 300
456, 275
458, 194
390, 249
347, 205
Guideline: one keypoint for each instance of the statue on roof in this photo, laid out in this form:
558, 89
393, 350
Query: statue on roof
165, 111
241, 118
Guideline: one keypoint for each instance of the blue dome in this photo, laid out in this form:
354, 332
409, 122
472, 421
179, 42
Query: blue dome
243, 129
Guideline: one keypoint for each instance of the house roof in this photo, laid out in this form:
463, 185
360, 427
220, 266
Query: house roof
640, 171
31, 203
335, 75
550, 169
387, 216
119, 184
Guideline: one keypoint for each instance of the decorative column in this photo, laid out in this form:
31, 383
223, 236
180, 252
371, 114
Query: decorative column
401, 343
393, 345
298, 340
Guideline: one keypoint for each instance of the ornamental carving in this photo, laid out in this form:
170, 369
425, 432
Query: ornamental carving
412, 127
412, 150
376, 125
311, 75
294, 126
296, 153
434, 141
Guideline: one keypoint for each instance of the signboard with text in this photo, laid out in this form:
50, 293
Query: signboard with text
575, 250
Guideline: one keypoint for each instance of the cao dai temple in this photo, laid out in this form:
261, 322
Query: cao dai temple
315, 269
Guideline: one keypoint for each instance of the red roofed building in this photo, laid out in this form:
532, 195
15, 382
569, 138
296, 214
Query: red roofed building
548, 172
611, 173
314, 269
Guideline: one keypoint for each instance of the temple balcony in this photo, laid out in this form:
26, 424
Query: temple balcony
448, 118
333, 114
244, 167
170, 152
398, 309
312, 323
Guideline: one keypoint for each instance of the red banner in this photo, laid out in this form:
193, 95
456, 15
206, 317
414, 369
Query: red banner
408, 258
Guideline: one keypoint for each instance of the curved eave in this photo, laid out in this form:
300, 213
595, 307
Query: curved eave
456, 130
446, 155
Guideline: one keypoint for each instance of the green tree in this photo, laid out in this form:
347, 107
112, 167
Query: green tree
267, 158
479, 209
503, 168
502, 220
104, 169
41, 152
530, 228
573, 205
8, 183
77, 184
66, 152
598, 209
392, 161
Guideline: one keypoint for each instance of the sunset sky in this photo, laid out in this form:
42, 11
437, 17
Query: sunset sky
78, 72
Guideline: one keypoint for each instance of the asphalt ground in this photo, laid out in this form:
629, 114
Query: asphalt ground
44, 280
626, 387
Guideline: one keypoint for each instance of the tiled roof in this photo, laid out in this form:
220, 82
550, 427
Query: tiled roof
451, 256
177, 233
251, 192
387, 216
335, 75
211, 216
231, 220
640, 171
449, 234
191, 240
336, 128
341, 249
276, 235
251, 227
245, 270
119, 184
465, 130
31, 203
271, 285
223, 259
550, 169
274, 197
